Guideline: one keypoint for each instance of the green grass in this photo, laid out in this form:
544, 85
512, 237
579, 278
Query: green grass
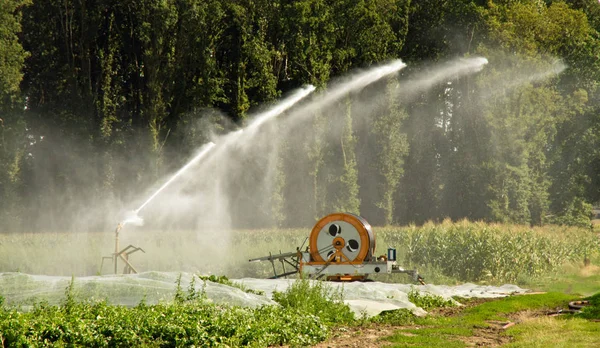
497, 310
553, 332
593, 310
564, 285
453, 331
572, 278
568, 331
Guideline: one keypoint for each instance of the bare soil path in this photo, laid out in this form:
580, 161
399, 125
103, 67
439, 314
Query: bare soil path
372, 335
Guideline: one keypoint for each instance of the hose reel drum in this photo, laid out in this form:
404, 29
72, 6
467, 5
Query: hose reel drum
342, 237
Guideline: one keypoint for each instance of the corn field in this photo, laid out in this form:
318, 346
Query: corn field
469, 251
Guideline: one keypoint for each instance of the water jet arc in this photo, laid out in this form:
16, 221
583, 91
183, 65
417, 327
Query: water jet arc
206, 148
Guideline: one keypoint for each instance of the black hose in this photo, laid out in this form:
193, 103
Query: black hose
578, 304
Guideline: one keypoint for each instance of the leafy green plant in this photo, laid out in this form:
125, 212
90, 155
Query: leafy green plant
428, 301
400, 316
316, 299
225, 281
593, 310
180, 323
69, 302
179, 296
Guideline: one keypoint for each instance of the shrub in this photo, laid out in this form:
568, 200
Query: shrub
428, 301
396, 317
316, 299
593, 310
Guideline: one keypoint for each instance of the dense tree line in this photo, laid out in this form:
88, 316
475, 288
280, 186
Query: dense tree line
87, 85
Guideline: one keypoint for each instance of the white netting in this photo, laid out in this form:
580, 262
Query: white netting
369, 298
127, 290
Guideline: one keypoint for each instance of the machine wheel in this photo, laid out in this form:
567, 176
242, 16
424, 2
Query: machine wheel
342, 237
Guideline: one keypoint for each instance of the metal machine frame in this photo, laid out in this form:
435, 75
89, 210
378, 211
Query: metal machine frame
341, 248
121, 254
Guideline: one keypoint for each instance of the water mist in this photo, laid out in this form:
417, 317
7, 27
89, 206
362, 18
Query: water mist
257, 121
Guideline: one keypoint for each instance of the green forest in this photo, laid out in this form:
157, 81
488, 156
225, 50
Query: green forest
102, 99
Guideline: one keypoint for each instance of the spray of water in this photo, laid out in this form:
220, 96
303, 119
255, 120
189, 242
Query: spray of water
234, 137
217, 193
257, 121
351, 84
441, 73
342, 88
518, 77
237, 180
134, 218
280, 107
222, 162
244, 152
362, 80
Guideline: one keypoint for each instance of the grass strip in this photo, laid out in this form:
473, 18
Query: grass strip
456, 331
555, 332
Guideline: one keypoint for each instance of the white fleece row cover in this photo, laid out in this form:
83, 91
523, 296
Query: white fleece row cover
370, 298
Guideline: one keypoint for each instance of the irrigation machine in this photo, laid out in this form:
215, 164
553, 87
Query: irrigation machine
341, 247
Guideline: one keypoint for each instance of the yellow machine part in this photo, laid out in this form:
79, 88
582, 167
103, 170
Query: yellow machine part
346, 278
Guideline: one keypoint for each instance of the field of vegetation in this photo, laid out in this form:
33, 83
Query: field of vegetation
494, 253
493, 118
307, 314
462, 251
446, 253
303, 318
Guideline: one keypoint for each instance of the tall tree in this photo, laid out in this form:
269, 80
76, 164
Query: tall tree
393, 147
12, 125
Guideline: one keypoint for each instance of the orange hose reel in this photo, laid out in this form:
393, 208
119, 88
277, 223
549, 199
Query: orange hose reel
341, 238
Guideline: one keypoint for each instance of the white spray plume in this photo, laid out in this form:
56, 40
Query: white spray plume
341, 87
511, 79
235, 137
556, 68
227, 185
204, 150
364, 79
280, 107
132, 218
220, 159
224, 142
451, 70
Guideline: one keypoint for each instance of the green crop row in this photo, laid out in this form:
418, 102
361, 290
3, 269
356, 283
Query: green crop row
469, 251
303, 318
